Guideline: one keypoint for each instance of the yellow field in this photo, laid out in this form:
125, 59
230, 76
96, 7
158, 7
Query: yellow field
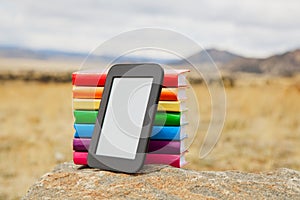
261, 132
262, 128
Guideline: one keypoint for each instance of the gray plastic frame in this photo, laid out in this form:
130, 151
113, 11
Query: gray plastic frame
150, 70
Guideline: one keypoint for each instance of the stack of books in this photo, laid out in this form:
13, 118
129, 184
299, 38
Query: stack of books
166, 144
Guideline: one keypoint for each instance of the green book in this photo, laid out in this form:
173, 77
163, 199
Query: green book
161, 118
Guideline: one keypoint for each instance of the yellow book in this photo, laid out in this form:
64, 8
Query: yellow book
171, 106
93, 104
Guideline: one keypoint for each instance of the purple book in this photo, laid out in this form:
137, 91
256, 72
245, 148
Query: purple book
155, 146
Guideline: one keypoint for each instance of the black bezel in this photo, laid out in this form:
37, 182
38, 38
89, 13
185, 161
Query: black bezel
127, 70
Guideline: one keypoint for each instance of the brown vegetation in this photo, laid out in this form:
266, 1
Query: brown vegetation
261, 132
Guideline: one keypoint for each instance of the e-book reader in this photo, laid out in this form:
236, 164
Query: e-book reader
125, 117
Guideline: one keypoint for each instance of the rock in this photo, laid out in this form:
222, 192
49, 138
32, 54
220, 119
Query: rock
68, 181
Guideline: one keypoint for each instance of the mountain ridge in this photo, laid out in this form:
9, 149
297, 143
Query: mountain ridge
284, 64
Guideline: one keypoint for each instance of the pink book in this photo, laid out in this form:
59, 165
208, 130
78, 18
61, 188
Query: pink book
80, 158
166, 159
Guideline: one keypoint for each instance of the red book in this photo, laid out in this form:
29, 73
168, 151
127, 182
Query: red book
172, 78
80, 158
89, 78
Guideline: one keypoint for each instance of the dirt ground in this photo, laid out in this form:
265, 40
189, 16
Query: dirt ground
261, 131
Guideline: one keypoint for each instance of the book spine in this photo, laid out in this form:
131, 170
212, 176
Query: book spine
81, 144
157, 147
169, 106
93, 104
80, 158
167, 95
167, 119
170, 80
88, 79
173, 160
166, 133
164, 147
82, 117
87, 92
96, 93
158, 132
86, 104
161, 118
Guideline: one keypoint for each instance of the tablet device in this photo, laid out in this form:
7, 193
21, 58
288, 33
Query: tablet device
125, 118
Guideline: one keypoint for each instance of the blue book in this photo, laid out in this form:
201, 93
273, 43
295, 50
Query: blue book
158, 132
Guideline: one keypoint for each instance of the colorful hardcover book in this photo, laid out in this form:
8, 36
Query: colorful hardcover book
166, 159
167, 94
87, 92
172, 78
81, 144
170, 119
172, 106
93, 104
80, 158
89, 78
166, 147
155, 146
158, 132
86, 117
169, 133
161, 118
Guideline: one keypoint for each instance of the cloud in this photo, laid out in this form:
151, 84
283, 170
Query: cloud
249, 27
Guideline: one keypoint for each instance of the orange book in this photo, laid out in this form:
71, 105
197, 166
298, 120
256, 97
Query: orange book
167, 94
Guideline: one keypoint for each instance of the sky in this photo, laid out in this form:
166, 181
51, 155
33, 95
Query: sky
252, 28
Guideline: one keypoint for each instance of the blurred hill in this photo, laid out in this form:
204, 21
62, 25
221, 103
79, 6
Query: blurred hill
218, 56
284, 64
18, 52
16, 59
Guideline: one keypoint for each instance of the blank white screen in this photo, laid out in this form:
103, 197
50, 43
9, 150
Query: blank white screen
124, 117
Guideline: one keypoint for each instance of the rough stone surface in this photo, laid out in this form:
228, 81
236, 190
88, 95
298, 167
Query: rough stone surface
68, 181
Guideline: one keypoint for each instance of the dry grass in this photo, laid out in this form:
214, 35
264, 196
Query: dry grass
262, 127
262, 130
36, 132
